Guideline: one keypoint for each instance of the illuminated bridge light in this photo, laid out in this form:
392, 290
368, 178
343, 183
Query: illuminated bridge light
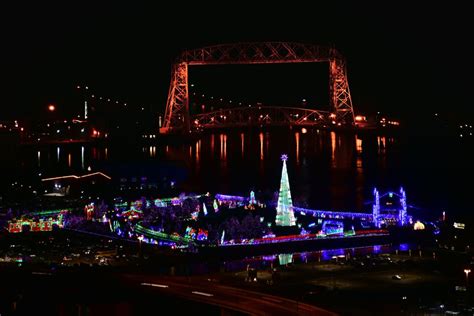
77, 177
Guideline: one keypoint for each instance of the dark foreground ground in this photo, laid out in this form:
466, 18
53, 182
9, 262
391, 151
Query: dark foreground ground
105, 280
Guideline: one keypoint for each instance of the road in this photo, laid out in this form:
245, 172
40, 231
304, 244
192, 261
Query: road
209, 292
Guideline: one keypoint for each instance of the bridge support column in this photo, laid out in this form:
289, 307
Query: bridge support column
341, 101
177, 105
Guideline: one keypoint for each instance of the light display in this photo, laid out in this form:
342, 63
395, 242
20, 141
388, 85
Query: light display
331, 227
175, 201
153, 234
285, 215
239, 200
73, 176
137, 205
204, 209
49, 212
160, 203
195, 214
202, 234
403, 211
376, 208
132, 213
89, 211
190, 232
222, 237
215, 206
252, 198
320, 235
121, 206
36, 225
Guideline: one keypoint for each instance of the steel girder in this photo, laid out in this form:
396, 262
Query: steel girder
177, 106
261, 116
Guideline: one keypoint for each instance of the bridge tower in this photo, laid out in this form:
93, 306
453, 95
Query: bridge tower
177, 116
341, 101
177, 105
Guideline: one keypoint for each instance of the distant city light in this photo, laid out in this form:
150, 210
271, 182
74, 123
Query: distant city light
419, 226
459, 225
51, 108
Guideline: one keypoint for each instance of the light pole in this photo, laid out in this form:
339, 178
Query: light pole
467, 271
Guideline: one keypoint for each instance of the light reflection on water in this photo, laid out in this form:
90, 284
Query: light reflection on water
265, 261
320, 163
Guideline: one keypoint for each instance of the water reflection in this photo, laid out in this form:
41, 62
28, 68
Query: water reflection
329, 254
223, 138
198, 152
242, 141
263, 262
152, 151
82, 157
212, 145
285, 258
358, 145
267, 142
332, 171
297, 141
377, 249
381, 143
404, 247
333, 149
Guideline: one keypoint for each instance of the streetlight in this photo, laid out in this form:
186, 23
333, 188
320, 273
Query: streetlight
467, 271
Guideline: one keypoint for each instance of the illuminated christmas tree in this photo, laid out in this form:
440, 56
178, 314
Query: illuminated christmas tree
285, 215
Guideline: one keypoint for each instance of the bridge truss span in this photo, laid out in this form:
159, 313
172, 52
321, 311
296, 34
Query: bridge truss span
177, 117
261, 116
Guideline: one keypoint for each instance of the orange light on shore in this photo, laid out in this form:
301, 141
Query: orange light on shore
51, 108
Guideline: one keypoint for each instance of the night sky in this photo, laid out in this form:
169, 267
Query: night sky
401, 59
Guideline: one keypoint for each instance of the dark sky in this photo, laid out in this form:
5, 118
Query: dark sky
401, 59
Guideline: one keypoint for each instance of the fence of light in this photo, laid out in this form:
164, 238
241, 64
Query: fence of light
306, 237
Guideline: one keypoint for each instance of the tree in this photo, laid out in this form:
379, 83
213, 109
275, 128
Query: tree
251, 227
232, 228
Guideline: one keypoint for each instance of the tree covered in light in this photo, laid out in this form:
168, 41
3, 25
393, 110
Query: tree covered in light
285, 215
